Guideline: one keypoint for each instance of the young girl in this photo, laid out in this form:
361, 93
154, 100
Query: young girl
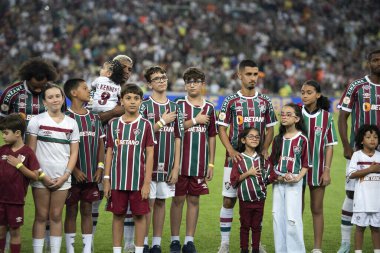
290, 157
251, 175
54, 138
365, 168
322, 136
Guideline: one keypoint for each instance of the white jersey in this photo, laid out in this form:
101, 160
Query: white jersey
367, 188
53, 144
106, 95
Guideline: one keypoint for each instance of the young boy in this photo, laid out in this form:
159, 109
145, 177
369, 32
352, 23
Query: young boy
89, 168
197, 164
166, 119
18, 165
128, 170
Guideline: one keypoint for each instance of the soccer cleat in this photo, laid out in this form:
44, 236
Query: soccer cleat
316, 251
129, 248
224, 248
344, 248
146, 249
262, 248
155, 249
189, 247
175, 247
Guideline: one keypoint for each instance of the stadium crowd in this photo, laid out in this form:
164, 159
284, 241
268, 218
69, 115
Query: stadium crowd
292, 40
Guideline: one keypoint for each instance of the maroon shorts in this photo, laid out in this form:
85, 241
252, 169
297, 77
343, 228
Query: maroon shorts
11, 215
87, 192
118, 203
188, 185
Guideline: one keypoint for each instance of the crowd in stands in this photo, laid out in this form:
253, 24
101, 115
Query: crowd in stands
292, 40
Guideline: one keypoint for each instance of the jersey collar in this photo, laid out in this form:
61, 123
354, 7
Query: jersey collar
314, 115
203, 104
241, 95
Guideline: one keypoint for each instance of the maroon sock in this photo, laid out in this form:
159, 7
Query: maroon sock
15, 248
2, 244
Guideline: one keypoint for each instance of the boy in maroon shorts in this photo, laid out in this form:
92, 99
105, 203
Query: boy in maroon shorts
197, 163
18, 164
89, 168
128, 169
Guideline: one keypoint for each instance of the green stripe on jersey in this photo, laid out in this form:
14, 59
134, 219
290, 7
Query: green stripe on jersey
54, 140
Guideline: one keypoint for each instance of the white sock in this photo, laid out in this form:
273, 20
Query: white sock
139, 249
376, 251
70, 240
226, 217
87, 242
358, 251
156, 241
116, 249
38, 245
129, 228
7, 240
188, 239
346, 217
55, 244
175, 238
146, 240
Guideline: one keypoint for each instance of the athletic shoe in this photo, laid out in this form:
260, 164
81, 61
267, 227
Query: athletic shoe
262, 248
224, 248
146, 249
189, 247
155, 249
316, 251
344, 248
244, 251
129, 248
175, 247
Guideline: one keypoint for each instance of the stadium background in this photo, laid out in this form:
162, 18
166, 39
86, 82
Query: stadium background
291, 40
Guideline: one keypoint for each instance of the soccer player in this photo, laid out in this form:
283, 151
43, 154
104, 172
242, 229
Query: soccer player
245, 109
88, 171
361, 99
54, 137
18, 165
322, 137
197, 163
128, 168
166, 120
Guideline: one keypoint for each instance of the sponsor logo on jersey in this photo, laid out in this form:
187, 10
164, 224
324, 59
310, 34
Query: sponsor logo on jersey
241, 119
239, 108
23, 96
4, 107
21, 105
222, 116
197, 129
47, 133
19, 219
137, 132
87, 133
151, 115
15, 90
318, 130
346, 100
167, 129
4, 157
126, 142
368, 107
297, 150
35, 105
366, 95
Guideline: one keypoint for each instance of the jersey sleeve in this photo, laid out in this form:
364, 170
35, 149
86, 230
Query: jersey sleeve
225, 115
32, 163
305, 156
353, 166
100, 127
150, 137
5, 104
212, 129
94, 84
235, 175
332, 138
270, 116
75, 134
347, 100
143, 111
110, 139
33, 127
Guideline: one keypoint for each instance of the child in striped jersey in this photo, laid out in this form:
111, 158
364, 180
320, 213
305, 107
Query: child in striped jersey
88, 171
128, 168
364, 168
290, 158
322, 137
250, 176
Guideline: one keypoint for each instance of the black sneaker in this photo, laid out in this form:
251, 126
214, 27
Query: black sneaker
175, 247
189, 248
155, 249
146, 249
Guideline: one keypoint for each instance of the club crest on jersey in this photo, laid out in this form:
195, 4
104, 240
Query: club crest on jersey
4, 107
366, 87
151, 115
262, 108
222, 116
318, 130
68, 136
346, 100
297, 150
21, 157
137, 132
227, 185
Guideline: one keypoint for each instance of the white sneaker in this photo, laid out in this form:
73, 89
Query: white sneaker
344, 248
129, 248
262, 248
224, 248
316, 251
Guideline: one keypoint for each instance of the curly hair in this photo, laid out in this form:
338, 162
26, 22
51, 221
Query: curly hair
361, 133
39, 69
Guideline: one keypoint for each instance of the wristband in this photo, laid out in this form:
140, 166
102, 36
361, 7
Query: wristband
162, 121
194, 121
19, 165
101, 165
160, 124
41, 176
106, 177
211, 165
68, 171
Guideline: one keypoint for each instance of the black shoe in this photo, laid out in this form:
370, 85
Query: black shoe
244, 251
155, 249
146, 249
189, 248
175, 247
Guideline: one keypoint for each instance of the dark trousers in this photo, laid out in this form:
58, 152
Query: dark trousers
251, 216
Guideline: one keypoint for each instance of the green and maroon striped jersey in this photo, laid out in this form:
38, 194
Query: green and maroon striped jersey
90, 133
18, 99
129, 142
362, 99
195, 142
294, 155
164, 149
240, 112
252, 188
321, 133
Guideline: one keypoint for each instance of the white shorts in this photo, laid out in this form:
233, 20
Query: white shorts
228, 191
366, 219
161, 190
38, 184
350, 183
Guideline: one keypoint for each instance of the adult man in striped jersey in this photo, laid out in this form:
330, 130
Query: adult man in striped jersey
166, 119
245, 109
361, 99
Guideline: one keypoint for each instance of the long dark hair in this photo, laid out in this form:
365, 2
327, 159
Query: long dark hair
322, 102
300, 126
